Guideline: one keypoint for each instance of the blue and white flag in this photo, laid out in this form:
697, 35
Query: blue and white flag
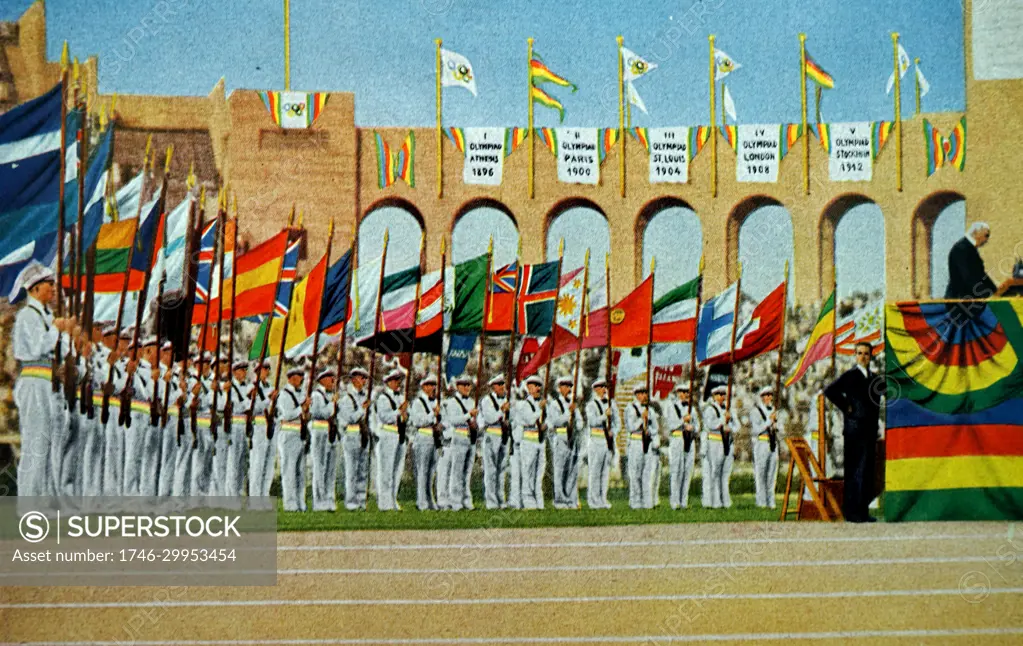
459, 350
172, 256
714, 334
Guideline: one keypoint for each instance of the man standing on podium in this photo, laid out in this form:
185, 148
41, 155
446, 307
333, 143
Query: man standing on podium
857, 393
966, 275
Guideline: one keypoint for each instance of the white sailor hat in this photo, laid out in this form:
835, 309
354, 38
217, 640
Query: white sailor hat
496, 379
34, 273
682, 387
719, 390
358, 372
126, 334
566, 381
599, 383
533, 379
463, 380
267, 364
640, 388
329, 372
428, 380
109, 330
297, 370
150, 340
766, 390
396, 374
167, 345
240, 365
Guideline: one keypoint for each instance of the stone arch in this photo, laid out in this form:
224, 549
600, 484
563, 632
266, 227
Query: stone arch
921, 233
396, 215
574, 252
740, 212
673, 260
506, 238
827, 249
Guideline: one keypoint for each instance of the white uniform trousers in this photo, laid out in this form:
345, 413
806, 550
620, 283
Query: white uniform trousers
444, 461
532, 464
424, 459
561, 456
149, 477
599, 463
37, 419
236, 464
356, 468
717, 471
641, 474
181, 485
135, 437
681, 464
291, 449
92, 454
495, 468
261, 466
765, 471
325, 462
202, 461
113, 450
390, 457
459, 456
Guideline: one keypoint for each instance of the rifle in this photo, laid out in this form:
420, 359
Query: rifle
180, 431
154, 401
647, 437
88, 407
607, 435
165, 407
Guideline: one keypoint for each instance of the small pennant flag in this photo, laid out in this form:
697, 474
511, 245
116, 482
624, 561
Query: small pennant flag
816, 73
635, 99
903, 68
729, 104
925, 87
723, 64
635, 65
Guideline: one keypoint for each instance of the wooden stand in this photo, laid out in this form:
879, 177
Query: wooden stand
824, 493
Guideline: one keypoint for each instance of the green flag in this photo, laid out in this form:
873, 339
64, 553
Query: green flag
470, 295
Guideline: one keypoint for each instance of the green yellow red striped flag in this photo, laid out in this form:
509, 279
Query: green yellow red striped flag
816, 73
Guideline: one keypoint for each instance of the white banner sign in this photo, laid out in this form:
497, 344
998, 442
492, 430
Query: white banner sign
578, 158
759, 150
669, 155
484, 156
849, 159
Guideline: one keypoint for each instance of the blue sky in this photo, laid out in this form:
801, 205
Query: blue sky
384, 53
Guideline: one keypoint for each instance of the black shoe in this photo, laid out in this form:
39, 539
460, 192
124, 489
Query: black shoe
871, 519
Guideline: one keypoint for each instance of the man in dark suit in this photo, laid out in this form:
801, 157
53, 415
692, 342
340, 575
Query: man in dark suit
966, 275
857, 393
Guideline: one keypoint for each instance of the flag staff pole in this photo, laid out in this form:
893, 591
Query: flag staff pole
229, 403
898, 112
287, 44
486, 314
725, 432
696, 329
583, 317
304, 422
713, 127
649, 363
443, 271
916, 63
621, 116
510, 368
554, 330
822, 441
802, 100
55, 377
532, 134
440, 140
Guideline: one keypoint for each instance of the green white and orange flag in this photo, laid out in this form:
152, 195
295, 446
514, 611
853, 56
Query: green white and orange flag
540, 73
816, 73
821, 343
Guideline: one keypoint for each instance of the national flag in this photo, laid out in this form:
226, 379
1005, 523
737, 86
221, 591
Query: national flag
723, 64
113, 245
540, 73
43, 251
635, 66
222, 277
126, 202
903, 68
432, 301
456, 71
336, 307
363, 295
289, 270
820, 344
304, 315
862, 326
30, 155
634, 97
715, 328
631, 318
398, 300
729, 103
674, 315
459, 350
538, 292
925, 87
761, 333
204, 267
177, 236
470, 294
502, 298
953, 427
571, 301
96, 177
255, 279
816, 73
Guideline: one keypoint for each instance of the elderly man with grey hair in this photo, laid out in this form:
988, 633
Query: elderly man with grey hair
966, 275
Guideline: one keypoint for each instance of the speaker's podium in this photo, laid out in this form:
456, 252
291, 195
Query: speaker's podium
1012, 287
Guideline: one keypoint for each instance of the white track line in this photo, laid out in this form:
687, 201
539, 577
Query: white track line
612, 639
597, 544
245, 603
622, 567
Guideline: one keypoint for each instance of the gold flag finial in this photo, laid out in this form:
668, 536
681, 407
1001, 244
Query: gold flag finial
607, 261
653, 264
330, 227
387, 235
75, 71
301, 217
490, 245
586, 258
443, 244
190, 181
700, 271
291, 216
234, 204
561, 248
740, 269
63, 58
145, 156
786, 271
620, 40
202, 195
166, 163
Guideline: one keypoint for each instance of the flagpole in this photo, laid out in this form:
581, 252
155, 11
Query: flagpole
649, 363
621, 116
304, 423
916, 69
579, 341
781, 342
376, 322
510, 372
55, 378
802, 97
554, 328
898, 113
228, 404
696, 329
440, 140
731, 347
713, 127
222, 217
249, 421
532, 133
412, 343
287, 44
822, 450
344, 332
83, 157
607, 296
483, 328
272, 411
196, 217
440, 349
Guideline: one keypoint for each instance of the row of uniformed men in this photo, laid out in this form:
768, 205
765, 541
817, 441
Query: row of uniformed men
78, 452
